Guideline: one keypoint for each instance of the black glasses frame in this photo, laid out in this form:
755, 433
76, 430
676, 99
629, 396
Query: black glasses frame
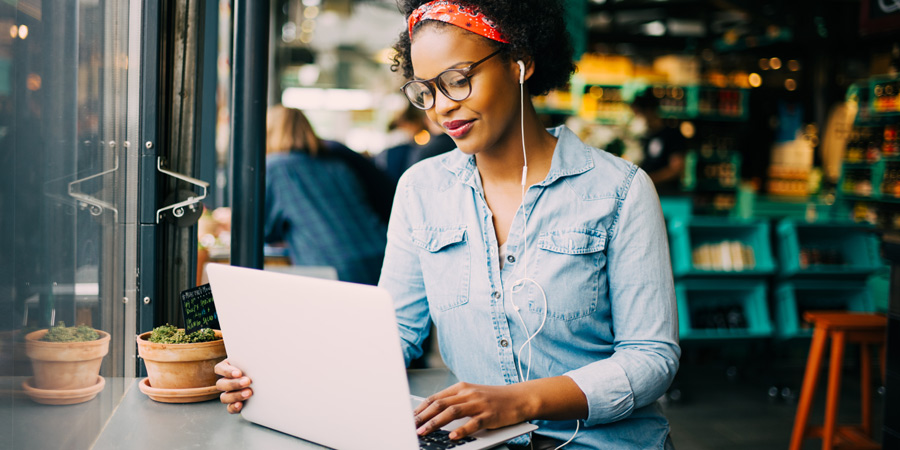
431, 83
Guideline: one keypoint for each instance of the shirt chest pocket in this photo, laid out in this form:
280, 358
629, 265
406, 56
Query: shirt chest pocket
572, 264
446, 263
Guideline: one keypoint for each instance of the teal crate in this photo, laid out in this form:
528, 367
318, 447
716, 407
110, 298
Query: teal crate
676, 207
687, 235
843, 250
799, 208
722, 309
880, 289
793, 298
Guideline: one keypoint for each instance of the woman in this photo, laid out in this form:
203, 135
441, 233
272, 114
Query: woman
560, 306
316, 201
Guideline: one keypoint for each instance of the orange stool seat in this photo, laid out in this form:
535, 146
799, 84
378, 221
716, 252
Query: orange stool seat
840, 327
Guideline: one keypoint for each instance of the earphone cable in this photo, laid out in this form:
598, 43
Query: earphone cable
520, 284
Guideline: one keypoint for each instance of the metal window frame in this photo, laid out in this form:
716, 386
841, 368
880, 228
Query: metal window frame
177, 123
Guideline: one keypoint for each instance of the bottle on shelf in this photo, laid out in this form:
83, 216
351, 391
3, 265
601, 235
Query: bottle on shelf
854, 152
890, 184
873, 145
890, 145
725, 256
857, 182
878, 97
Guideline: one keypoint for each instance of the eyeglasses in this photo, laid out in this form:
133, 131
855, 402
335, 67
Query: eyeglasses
453, 83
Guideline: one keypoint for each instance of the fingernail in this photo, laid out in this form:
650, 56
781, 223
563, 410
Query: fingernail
235, 373
420, 431
245, 393
453, 436
237, 406
245, 381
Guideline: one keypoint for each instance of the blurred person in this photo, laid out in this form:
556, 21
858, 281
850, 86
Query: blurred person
378, 187
395, 160
316, 202
664, 147
439, 143
403, 130
405, 126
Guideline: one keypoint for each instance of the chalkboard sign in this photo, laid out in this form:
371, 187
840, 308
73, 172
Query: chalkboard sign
199, 309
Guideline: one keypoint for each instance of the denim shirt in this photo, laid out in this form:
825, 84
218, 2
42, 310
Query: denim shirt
596, 244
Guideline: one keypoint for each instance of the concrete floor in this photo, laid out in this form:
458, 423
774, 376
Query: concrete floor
721, 398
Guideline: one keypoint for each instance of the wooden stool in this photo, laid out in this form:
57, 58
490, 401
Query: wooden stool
864, 329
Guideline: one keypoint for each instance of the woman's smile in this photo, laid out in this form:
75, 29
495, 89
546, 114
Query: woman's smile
458, 128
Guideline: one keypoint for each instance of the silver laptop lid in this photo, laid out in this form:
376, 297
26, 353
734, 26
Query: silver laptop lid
324, 357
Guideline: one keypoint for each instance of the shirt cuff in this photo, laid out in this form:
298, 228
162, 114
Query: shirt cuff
607, 389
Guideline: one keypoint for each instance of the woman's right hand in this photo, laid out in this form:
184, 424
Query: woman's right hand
234, 385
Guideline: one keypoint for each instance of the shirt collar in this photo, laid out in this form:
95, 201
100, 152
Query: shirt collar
570, 157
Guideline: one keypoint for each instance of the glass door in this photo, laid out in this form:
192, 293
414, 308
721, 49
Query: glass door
69, 182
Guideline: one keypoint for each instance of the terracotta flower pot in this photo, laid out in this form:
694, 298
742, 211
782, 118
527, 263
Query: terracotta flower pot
65, 365
181, 366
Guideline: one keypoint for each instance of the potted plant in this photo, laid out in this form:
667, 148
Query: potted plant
180, 367
66, 363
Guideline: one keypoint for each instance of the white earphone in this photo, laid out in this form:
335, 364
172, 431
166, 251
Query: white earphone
519, 285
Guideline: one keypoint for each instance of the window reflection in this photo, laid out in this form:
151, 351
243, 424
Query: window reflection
67, 251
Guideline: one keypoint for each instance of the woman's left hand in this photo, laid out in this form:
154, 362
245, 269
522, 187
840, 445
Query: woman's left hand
487, 407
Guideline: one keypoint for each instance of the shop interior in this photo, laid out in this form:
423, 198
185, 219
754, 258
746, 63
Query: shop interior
118, 129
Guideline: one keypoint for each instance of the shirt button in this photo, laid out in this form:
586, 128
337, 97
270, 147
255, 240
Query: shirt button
496, 294
511, 258
503, 343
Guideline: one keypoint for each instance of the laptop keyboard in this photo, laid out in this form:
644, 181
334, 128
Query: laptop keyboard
440, 439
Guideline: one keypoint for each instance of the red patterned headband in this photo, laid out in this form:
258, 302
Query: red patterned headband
465, 17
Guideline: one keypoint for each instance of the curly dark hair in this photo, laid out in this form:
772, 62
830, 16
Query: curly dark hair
534, 28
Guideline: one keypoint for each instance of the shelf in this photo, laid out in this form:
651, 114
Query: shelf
873, 198
793, 298
842, 250
856, 165
555, 111
719, 157
857, 198
721, 234
675, 115
736, 101
876, 121
722, 309
711, 169
887, 114
713, 186
779, 207
872, 171
721, 118
592, 98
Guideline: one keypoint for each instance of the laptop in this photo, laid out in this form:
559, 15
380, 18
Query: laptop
325, 360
